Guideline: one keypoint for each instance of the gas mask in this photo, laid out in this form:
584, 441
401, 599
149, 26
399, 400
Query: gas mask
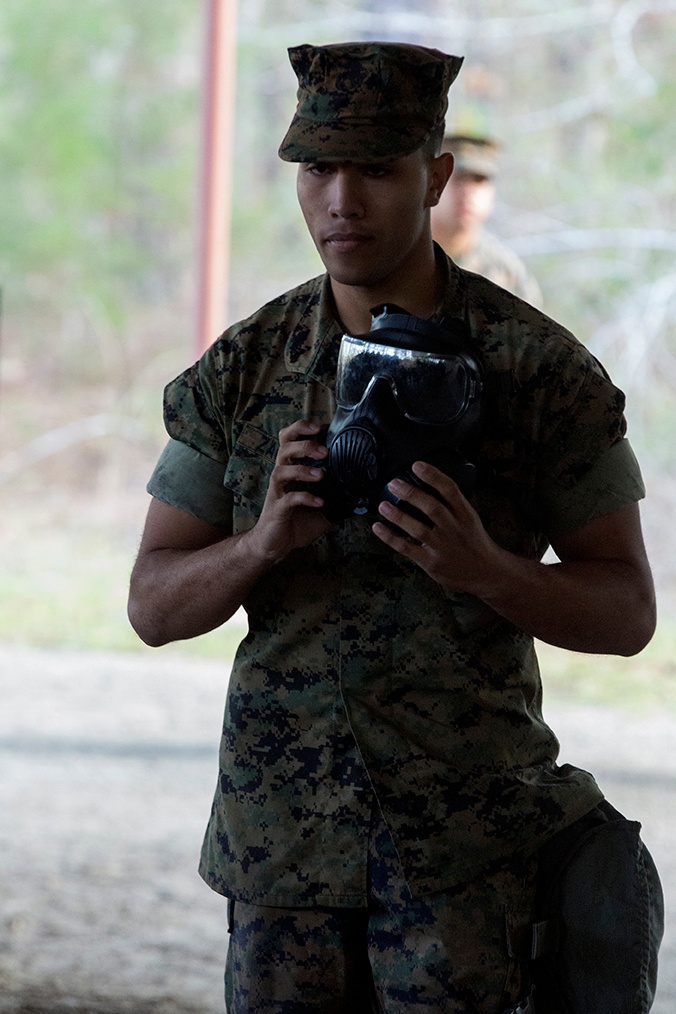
408, 390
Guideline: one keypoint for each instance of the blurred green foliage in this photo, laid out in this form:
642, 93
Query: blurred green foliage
98, 150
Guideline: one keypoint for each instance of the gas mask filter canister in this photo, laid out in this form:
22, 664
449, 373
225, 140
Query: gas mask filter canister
408, 390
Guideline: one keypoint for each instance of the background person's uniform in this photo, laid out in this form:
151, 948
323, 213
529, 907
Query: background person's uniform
364, 689
491, 258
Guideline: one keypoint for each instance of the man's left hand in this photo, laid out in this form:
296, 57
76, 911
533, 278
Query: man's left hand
598, 598
456, 551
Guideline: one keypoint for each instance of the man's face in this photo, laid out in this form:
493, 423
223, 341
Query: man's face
368, 220
467, 200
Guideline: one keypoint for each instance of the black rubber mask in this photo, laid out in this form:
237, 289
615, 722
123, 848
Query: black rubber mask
408, 390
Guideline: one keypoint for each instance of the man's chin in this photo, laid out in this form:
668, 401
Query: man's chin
361, 273
356, 281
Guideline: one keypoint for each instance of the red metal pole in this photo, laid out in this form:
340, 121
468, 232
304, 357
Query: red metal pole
218, 113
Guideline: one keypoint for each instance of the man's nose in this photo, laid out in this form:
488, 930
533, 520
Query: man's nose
346, 199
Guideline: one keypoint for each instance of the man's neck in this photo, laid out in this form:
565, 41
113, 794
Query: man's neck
419, 296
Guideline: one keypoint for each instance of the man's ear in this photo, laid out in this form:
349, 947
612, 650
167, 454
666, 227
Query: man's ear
441, 168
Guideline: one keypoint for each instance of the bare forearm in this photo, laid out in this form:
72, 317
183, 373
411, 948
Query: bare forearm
595, 606
181, 593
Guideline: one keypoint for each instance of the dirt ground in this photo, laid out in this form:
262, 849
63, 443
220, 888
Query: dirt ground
109, 763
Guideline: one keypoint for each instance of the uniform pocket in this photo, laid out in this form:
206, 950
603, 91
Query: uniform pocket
248, 474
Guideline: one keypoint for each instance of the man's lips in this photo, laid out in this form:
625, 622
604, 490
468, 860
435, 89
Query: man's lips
346, 241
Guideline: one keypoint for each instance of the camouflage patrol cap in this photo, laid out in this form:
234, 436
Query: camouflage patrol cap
475, 155
359, 101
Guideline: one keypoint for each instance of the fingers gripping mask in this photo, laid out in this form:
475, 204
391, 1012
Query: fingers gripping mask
408, 390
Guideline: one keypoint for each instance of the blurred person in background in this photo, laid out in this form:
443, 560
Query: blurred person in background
458, 220
387, 781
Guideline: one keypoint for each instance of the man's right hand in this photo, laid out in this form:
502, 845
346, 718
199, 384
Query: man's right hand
291, 517
190, 577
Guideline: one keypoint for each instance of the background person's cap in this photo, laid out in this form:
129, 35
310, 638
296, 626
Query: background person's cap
477, 156
363, 101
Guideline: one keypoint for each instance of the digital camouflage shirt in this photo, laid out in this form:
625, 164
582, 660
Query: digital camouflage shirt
360, 681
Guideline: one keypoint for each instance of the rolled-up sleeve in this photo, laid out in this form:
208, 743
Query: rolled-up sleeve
193, 482
614, 481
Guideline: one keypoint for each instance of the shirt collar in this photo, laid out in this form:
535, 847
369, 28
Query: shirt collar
312, 347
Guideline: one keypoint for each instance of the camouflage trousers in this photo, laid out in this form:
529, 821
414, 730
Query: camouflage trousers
456, 951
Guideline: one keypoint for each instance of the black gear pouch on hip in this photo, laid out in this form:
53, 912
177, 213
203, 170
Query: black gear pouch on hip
600, 919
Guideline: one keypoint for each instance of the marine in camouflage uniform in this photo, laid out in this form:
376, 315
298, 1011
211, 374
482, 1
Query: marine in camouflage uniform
458, 220
386, 775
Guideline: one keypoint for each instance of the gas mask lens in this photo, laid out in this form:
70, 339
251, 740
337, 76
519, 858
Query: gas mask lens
428, 387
